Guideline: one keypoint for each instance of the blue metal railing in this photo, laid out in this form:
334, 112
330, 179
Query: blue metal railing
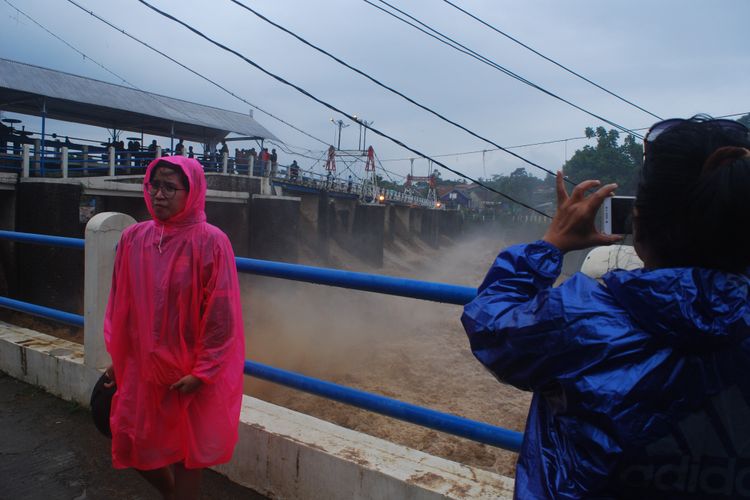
459, 426
42, 312
403, 287
43, 239
444, 422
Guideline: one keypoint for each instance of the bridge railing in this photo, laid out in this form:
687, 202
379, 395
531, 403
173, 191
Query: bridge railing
453, 294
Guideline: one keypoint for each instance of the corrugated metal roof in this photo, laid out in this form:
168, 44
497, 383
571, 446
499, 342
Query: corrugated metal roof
84, 100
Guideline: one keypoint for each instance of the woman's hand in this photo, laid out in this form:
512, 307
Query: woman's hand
573, 228
110, 373
187, 384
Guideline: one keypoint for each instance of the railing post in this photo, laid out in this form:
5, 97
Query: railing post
224, 162
102, 234
37, 148
64, 161
85, 165
250, 165
158, 152
25, 160
111, 158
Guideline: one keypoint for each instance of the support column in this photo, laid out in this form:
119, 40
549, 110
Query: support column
224, 162
102, 234
64, 161
37, 150
85, 160
111, 159
25, 160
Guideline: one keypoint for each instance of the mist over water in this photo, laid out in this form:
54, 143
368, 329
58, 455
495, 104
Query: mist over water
409, 349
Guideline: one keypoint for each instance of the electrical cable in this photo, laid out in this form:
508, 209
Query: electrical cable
412, 101
332, 107
196, 73
551, 60
85, 56
543, 143
495, 65
285, 148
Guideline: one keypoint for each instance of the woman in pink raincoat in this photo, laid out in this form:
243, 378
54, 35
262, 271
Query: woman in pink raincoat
175, 334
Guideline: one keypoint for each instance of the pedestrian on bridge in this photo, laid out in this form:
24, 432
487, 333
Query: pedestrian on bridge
174, 330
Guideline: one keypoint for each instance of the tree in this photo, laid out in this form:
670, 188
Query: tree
519, 184
608, 161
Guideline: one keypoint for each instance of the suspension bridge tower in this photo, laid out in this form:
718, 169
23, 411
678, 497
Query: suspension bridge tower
370, 189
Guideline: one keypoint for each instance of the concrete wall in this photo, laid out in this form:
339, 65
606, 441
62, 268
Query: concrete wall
429, 227
344, 215
309, 224
240, 183
234, 219
415, 220
400, 222
450, 223
52, 276
8, 266
319, 218
274, 229
367, 233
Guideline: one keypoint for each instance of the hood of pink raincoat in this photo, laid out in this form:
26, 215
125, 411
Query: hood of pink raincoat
195, 206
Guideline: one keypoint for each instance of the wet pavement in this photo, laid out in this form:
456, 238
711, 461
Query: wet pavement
50, 449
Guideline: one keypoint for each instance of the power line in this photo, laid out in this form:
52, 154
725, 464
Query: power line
377, 82
330, 106
85, 56
493, 64
543, 143
286, 149
196, 73
550, 60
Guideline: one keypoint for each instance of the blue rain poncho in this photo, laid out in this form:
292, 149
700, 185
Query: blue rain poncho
641, 383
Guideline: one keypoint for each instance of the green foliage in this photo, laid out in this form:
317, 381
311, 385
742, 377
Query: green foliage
519, 184
388, 184
608, 161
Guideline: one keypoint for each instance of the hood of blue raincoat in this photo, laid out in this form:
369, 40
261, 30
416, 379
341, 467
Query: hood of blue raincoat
692, 308
195, 205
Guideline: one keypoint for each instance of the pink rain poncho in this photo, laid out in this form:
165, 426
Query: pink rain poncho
174, 309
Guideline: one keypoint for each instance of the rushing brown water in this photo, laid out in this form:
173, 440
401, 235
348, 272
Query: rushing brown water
408, 349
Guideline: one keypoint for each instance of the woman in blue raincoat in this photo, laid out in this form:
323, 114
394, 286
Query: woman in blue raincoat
642, 382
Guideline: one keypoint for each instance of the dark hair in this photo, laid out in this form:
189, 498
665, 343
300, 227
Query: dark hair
691, 205
174, 168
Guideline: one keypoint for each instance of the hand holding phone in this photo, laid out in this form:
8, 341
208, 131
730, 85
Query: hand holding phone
618, 215
573, 226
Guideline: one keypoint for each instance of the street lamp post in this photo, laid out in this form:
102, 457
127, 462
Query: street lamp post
364, 140
341, 125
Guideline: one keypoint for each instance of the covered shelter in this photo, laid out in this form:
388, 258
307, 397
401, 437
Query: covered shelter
37, 91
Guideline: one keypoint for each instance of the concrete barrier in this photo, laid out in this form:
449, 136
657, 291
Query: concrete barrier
281, 453
274, 228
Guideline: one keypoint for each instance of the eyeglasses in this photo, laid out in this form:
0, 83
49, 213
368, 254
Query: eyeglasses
659, 128
167, 189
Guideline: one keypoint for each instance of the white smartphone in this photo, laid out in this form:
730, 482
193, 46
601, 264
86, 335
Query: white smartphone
618, 215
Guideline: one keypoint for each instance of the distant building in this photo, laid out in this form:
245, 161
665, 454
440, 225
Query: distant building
454, 199
466, 196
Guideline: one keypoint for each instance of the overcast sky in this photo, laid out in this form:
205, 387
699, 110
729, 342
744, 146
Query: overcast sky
674, 58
